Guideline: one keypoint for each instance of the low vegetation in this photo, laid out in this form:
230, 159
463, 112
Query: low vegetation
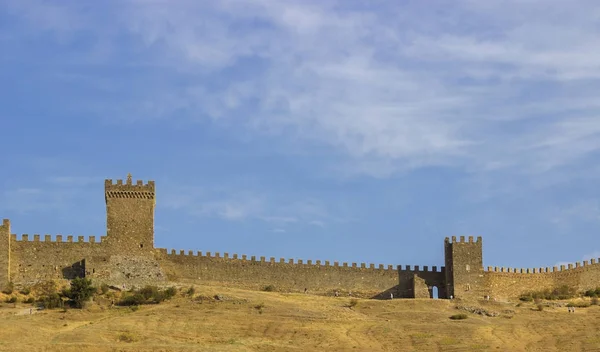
561, 292
291, 322
460, 316
580, 304
269, 288
81, 291
147, 295
592, 293
8, 289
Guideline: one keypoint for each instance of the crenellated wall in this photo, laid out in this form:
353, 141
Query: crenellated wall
5, 240
504, 282
33, 260
286, 275
126, 256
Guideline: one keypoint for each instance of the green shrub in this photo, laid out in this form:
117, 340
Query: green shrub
25, 291
11, 299
561, 292
269, 288
132, 300
460, 316
104, 289
169, 293
147, 295
29, 300
353, 303
9, 288
526, 298
81, 290
51, 301
593, 292
190, 291
148, 292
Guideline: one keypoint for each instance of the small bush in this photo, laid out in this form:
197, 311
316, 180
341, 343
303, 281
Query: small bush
147, 295
126, 337
190, 291
578, 304
9, 288
540, 307
353, 303
104, 289
169, 293
51, 301
148, 292
560, 292
132, 300
593, 292
269, 288
460, 316
526, 298
25, 291
29, 300
11, 299
81, 290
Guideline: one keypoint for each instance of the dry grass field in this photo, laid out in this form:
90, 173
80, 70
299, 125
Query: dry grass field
268, 321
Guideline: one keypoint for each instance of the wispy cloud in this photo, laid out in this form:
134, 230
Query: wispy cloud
280, 211
505, 87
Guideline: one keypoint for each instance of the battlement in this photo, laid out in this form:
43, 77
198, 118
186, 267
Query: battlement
544, 270
59, 239
5, 223
127, 189
263, 260
462, 240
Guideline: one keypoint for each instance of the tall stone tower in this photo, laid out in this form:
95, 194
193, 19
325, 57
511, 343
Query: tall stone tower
4, 253
130, 216
464, 267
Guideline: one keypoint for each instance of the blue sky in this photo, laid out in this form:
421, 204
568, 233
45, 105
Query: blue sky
359, 131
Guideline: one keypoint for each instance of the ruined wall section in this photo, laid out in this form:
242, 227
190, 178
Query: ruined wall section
4, 253
286, 275
33, 260
512, 282
130, 216
411, 281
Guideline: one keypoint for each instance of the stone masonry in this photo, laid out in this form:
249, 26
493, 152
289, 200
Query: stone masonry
126, 256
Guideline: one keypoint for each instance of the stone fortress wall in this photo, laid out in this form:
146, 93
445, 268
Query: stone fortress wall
126, 256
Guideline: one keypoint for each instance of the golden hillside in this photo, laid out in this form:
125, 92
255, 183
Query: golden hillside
268, 321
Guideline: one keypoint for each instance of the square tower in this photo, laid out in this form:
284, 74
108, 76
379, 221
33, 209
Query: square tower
130, 215
464, 267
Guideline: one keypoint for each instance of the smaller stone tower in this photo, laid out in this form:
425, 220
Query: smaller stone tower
4, 253
464, 267
130, 216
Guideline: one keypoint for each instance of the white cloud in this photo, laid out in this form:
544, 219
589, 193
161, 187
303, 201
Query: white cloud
482, 86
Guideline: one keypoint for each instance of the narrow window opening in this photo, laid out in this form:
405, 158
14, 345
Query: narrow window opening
141, 245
